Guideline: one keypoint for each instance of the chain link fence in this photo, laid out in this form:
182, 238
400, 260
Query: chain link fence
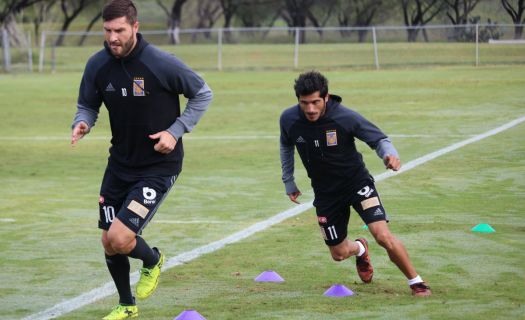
16, 55
291, 48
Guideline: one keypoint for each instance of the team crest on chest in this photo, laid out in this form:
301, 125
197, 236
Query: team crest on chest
331, 138
138, 87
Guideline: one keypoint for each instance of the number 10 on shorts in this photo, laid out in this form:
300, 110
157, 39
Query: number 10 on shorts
109, 213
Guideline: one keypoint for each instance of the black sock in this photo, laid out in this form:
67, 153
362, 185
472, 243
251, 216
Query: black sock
118, 266
143, 252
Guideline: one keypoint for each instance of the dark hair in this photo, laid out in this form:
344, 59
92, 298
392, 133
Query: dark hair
310, 82
120, 8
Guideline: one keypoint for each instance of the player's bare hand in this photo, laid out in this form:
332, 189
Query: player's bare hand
79, 131
294, 195
166, 143
392, 162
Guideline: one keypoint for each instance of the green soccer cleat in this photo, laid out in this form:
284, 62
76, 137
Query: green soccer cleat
122, 312
149, 278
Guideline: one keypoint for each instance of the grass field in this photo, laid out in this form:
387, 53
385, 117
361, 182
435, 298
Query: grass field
239, 57
231, 180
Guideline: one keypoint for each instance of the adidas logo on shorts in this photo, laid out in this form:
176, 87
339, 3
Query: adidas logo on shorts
378, 212
134, 221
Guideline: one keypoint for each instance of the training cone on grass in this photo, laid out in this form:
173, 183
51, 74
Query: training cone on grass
189, 315
269, 276
483, 227
338, 290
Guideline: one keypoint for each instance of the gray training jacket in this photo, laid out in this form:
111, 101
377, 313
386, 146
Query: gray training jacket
141, 93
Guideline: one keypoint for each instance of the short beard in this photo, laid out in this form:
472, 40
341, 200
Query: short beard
126, 48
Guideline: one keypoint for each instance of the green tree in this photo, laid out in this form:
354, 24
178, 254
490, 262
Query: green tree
71, 10
174, 18
258, 13
458, 12
37, 14
208, 12
357, 13
95, 11
417, 13
8, 11
296, 13
516, 13
13, 7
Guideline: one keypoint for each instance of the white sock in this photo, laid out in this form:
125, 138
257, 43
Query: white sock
361, 248
415, 280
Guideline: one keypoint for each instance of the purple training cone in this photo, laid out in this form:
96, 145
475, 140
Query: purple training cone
338, 290
189, 315
269, 276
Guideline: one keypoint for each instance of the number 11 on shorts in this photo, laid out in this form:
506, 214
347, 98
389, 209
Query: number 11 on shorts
332, 233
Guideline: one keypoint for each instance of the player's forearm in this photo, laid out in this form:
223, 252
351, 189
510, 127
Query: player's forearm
195, 109
385, 147
287, 166
85, 114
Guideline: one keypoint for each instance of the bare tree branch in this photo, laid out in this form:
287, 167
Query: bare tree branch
417, 13
163, 7
517, 16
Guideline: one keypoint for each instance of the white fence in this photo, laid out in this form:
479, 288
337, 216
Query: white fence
18, 55
293, 48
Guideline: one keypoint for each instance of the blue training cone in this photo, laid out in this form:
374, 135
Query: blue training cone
269, 276
338, 290
189, 315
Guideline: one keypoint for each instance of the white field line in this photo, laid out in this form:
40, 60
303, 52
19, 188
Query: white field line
109, 288
190, 137
107, 138
188, 221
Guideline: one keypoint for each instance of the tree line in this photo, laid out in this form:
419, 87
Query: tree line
415, 14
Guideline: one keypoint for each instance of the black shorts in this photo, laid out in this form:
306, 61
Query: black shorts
132, 201
333, 212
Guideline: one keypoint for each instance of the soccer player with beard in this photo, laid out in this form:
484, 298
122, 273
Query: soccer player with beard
140, 87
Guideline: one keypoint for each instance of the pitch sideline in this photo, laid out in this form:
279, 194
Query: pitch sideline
109, 288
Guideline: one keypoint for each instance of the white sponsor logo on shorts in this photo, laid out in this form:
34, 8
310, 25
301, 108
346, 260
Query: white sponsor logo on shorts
366, 191
149, 195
